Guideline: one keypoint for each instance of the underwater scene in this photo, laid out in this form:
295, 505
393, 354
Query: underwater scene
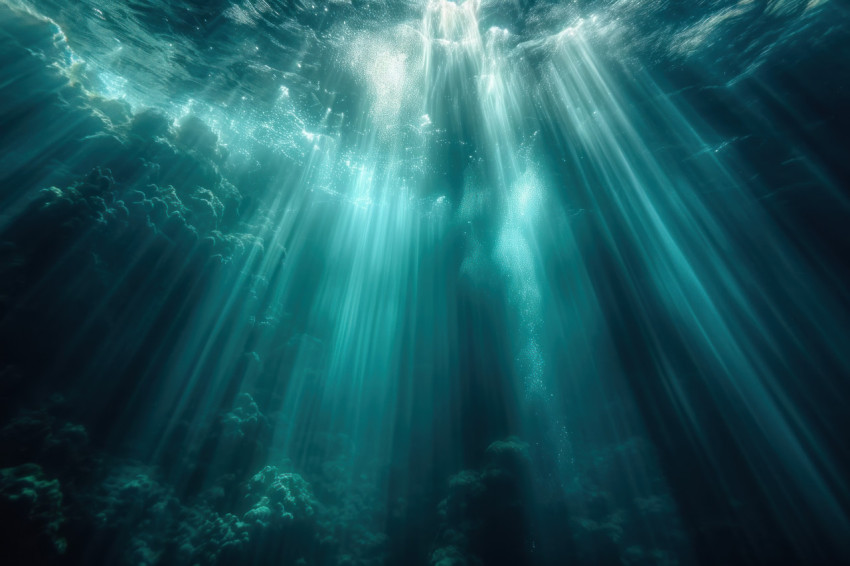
424, 282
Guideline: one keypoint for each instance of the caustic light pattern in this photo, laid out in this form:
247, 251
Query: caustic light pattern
422, 282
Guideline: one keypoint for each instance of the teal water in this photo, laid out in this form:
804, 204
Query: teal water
433, 282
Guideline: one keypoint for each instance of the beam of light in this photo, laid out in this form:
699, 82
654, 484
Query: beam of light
692, 258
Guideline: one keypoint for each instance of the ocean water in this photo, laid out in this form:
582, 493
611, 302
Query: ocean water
422, 282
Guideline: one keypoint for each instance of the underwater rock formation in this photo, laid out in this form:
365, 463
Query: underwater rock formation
31, 504
484, 517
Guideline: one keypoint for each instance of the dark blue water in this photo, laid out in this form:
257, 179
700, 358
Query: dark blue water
363, 283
